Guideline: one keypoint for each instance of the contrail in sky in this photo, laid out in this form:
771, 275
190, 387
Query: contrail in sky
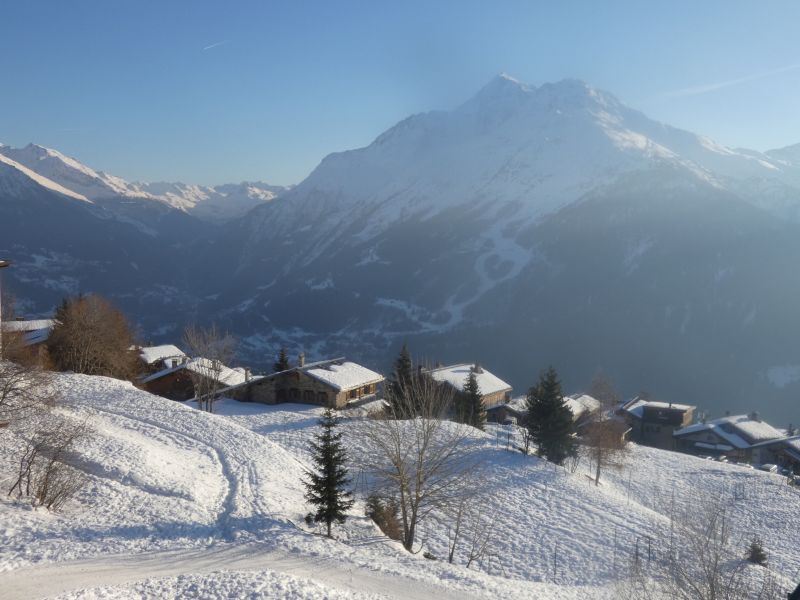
713, 87
216, 44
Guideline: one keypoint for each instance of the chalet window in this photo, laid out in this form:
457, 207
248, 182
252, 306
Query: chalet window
308, 396
294, 394
281, 395
354, 393
322, 398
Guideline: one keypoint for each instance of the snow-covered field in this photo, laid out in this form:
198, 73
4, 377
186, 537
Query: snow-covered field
181, 503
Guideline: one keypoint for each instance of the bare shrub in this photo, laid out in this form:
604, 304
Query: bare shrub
45, 471
473, 528
25, 392
383, 511
701, 563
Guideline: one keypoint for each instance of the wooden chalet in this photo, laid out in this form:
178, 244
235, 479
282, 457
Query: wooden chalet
336, 383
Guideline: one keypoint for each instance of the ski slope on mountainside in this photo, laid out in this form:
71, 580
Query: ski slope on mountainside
181, 502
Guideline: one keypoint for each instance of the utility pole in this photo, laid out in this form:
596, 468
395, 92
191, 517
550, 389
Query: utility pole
3, 264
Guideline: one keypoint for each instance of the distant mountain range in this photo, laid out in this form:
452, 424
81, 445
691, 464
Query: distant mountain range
528, 226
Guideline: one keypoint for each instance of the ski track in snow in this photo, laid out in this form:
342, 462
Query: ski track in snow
233, 525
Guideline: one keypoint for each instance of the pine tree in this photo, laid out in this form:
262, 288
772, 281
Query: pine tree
471, 410
756, 553
326, 487
401, 378
282, 364
550, 423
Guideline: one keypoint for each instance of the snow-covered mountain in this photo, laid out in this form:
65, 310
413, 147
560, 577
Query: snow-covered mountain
530, 226
467, 232
213, 204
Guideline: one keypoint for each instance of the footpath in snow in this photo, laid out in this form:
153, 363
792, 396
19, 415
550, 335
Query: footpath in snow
184, 503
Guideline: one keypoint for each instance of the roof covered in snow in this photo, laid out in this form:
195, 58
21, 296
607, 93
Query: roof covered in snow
456, 376
582, 404
25, 325
636, 406
33, 332
579, 404
344, 376
740, 431
152, 354
205, 367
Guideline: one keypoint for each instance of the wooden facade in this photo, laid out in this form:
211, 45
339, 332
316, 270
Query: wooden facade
302, 386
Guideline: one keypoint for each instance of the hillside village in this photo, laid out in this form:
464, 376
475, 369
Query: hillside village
747, 440
635, 453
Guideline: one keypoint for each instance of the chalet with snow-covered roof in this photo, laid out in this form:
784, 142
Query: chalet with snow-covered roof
336, 383
177, 381
32, 335
158, 358
34, 332
743, 438
583, 407
493, 389
653, 423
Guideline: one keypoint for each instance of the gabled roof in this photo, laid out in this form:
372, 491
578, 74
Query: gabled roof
582, 404
337, 373
740, 431
26, 325
36, 331
344, 376
152, 354
579, 404
456, 376
203, 366
636, 406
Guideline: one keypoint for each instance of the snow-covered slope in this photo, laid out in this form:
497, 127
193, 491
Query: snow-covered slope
69, 173
175, 496
513, 148
215, 204
18, 180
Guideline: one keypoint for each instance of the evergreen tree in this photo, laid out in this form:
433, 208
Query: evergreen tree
550, 424
756, 553
326, 487
401, 378
282, 364
471, 410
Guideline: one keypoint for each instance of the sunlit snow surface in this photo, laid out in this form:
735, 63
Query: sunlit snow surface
223, 492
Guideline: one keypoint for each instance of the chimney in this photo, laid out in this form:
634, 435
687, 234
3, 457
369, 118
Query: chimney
301, 360
754, 416
478, 369
246, 374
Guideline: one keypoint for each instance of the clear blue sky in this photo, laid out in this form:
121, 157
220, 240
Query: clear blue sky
212, 92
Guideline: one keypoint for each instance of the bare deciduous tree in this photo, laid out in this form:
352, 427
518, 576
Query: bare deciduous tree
420, 459
211, 350
92, 336
603, 437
